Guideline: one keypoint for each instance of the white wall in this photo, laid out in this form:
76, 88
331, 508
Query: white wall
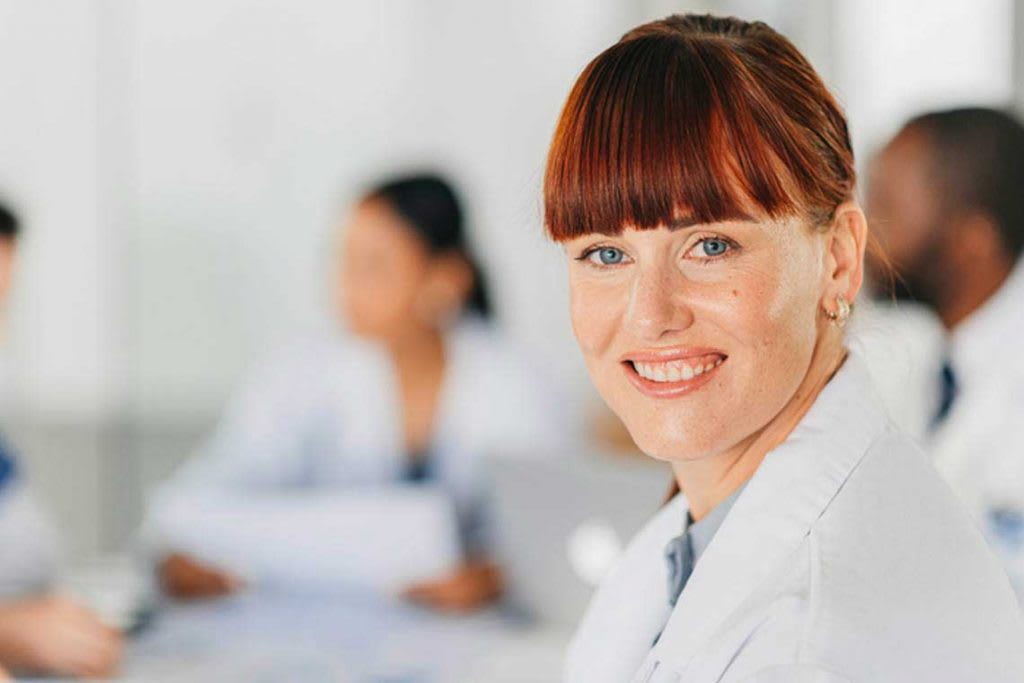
898, 58
62, 342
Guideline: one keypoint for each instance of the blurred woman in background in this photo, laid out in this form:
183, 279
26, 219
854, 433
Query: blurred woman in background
417, 389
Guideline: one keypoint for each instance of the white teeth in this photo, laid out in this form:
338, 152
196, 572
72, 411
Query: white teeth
673, 371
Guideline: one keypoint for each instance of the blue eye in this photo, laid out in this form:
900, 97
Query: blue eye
606, 256
714, 247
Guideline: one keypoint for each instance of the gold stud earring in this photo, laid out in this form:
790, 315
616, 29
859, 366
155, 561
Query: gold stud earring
842, 312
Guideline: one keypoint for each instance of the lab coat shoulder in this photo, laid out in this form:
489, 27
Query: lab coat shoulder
893, 583
295, 378
902, 346
978, 447
896, 535
503, 398
272, 428
264, 434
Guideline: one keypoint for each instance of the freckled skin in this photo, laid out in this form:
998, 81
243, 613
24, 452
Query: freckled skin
663, 295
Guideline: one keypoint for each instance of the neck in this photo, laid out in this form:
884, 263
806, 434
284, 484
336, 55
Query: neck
416, 349
708, 481
972, 289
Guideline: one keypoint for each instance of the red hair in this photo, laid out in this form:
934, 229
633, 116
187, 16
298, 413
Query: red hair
696, 118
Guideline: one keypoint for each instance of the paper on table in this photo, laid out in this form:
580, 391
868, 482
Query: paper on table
382, 538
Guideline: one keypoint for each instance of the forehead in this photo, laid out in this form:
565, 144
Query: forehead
373, 222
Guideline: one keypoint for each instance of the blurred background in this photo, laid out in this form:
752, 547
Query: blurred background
181, 167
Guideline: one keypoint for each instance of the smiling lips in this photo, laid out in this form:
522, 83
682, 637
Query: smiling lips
670, 373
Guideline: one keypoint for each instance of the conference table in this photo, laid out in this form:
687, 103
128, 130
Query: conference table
320, 636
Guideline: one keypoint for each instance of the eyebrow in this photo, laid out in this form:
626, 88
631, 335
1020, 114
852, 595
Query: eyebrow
682, 223
690, 221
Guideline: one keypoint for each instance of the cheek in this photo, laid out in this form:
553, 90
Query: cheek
763, 315
596, 312
757, 300
774, 319
774, 312
750, 304
375, 302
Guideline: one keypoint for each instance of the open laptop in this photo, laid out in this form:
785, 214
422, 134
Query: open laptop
561, 522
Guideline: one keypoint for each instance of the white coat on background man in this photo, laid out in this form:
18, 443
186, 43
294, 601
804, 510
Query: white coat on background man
945, 199
314, 437
979, 446
843, 520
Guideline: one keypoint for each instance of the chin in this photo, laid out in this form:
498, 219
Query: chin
668, 443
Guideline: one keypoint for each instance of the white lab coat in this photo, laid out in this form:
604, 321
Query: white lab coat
845, 558
979, 447
316, 435
29, 558
903, 345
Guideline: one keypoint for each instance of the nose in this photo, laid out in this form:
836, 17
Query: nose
658, 306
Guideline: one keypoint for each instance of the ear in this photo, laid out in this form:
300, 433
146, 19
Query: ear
6, 267
448, 283
844, 259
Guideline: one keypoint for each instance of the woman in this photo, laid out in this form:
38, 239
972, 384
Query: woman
701, 180
417, 391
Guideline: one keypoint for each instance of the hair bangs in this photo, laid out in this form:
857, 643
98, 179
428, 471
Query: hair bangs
660, 129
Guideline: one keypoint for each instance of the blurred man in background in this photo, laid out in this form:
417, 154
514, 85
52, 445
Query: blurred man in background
946, 199
40, 633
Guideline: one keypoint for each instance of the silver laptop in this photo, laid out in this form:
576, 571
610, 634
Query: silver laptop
561, 522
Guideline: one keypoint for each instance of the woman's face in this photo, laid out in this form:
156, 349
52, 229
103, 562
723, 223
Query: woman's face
383, 264
698, 336
389, 284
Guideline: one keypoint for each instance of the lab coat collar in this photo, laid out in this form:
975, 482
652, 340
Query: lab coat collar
777, 509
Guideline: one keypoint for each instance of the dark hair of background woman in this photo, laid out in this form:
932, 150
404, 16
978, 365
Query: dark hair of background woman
9, 226
430, 205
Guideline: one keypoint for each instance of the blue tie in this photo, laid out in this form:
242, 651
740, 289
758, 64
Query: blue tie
948, 389
8, 470
679, 554
418, 468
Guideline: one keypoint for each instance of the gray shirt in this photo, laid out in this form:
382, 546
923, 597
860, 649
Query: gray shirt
684, 550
